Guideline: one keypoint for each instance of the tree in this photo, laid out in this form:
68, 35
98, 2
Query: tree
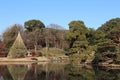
77, 37
108, 28
9, 36
56, 35
34, 39
29, 38
103, 33
34, 27
33, 24
112, 25
106, 52
1, 44
55, 26
18, 48
91, 36
108, 41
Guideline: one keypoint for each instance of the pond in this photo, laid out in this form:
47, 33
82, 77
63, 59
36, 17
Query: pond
55, 71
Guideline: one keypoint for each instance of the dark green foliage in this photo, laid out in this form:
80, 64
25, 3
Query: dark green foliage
108, 39
115, 36
91, 36
106, 31
77, 37
106, 74
81, 42
32, 25
79, 72
105, 51
112, 25
100, 37
106, 47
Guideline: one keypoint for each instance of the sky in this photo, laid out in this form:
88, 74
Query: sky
94, 13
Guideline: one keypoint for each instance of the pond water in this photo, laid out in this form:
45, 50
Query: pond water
55, 71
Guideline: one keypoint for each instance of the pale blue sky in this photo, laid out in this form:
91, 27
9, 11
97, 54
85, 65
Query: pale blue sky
94, 13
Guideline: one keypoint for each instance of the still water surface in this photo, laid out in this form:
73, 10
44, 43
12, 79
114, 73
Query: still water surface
55, 71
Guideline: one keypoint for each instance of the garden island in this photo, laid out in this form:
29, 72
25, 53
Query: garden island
80, 44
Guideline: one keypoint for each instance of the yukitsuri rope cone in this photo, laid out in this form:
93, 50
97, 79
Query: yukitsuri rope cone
18, 48
17, 72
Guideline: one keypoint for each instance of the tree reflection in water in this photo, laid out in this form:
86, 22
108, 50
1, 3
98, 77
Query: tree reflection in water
37, 72
106, 74
76, 72
56, 71
4, 72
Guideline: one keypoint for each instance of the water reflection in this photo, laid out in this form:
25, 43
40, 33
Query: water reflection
80, 72
106, 73
56, 71
34, 71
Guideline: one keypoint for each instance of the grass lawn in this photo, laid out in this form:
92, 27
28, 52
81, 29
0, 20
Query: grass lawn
52, 52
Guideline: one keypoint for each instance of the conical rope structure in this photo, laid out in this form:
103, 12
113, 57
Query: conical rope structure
18, 48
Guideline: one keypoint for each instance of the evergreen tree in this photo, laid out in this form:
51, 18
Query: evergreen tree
18, 48
77, 37
108, 41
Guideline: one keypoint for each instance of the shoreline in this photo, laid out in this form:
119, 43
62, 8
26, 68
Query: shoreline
27, 59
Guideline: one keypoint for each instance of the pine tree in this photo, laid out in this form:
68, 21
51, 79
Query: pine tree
18, 48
